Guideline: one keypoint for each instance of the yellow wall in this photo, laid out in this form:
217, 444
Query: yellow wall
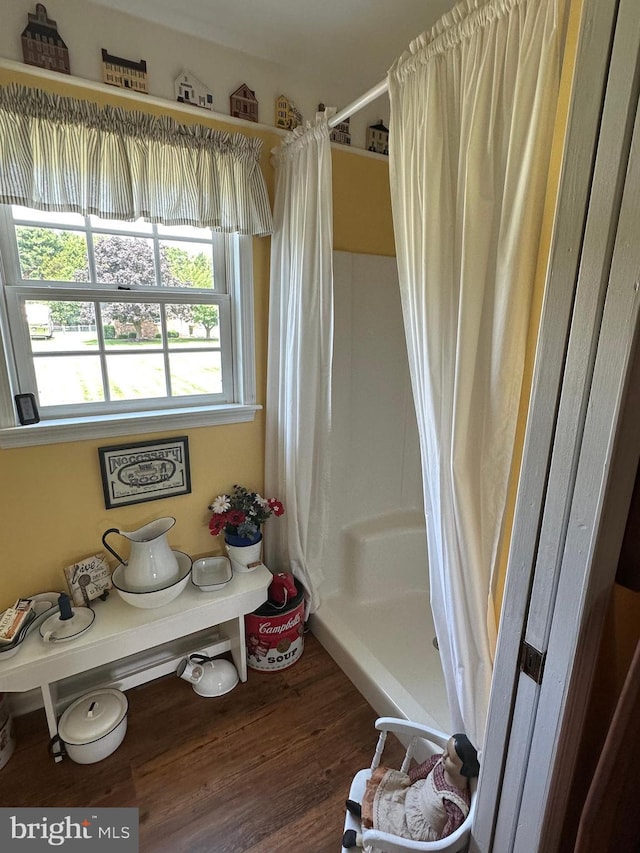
361, 204
51, 505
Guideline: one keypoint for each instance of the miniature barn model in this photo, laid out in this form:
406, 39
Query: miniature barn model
378, 138
124, 72
243, 103
288, 116
189, 90
42, 44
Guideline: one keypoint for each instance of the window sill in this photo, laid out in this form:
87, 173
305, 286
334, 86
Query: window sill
133, 423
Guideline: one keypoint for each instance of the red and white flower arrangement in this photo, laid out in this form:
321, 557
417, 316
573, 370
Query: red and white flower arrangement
242, 512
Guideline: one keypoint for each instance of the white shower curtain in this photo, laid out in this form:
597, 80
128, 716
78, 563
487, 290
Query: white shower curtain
300, 352
472, 114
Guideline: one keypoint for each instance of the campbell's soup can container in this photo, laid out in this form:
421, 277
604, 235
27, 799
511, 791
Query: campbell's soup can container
275, 636
7, 736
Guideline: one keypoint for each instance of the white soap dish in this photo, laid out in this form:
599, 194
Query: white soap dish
211, 573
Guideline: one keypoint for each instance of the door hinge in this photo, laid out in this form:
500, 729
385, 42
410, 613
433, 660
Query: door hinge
532, 662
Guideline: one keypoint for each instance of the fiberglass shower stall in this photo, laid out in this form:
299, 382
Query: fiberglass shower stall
375, 616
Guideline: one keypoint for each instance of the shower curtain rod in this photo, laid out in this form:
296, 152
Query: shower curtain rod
359, 103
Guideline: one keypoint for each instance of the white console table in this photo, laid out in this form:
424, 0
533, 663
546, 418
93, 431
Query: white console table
129, 645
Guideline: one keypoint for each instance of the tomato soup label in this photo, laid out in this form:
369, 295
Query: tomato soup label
276, 641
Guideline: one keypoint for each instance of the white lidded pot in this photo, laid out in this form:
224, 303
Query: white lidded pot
92, 727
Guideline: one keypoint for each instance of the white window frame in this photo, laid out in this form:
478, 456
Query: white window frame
242, 391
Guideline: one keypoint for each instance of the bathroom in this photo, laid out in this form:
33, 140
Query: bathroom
376, 516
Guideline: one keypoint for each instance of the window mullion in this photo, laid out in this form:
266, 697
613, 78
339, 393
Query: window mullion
91, 255
102, 351
156, 255
165, 349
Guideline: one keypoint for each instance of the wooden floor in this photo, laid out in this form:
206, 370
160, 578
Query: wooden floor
264, 769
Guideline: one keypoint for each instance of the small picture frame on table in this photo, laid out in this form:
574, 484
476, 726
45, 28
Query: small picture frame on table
27, 409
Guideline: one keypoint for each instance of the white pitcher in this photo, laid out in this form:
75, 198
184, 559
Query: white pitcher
151, 564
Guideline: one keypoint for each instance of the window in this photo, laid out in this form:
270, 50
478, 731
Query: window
110, 318
115, 324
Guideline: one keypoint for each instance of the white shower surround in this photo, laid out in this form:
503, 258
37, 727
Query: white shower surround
375, 617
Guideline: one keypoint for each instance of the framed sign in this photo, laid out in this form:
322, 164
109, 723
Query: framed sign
145, 471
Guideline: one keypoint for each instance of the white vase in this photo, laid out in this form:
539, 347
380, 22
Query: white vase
245, 558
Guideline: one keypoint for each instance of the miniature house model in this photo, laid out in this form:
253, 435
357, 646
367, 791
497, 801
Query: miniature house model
41, 43
378, 138
189, 90
243, 103
288, 116
341, 132
124, 72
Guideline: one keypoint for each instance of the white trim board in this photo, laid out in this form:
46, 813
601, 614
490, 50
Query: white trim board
605, 475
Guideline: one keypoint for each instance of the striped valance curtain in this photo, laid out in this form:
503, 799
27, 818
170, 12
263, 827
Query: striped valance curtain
62, 154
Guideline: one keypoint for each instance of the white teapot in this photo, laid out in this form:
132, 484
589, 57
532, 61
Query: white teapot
209, 676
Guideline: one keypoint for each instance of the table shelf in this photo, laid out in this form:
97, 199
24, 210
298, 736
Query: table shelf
127, 646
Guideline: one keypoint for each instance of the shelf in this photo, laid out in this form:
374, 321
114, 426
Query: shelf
121, 630
127, 646
142, 667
